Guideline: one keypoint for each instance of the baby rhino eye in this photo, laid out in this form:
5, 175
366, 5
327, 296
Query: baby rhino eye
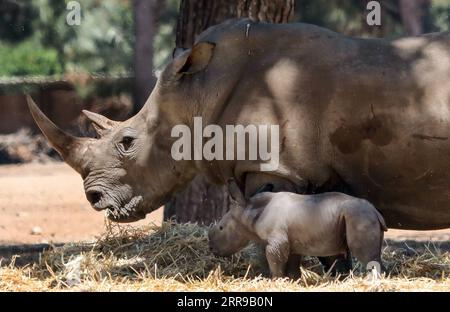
221, 228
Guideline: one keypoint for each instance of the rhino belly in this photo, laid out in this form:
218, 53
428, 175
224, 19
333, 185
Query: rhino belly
407, 180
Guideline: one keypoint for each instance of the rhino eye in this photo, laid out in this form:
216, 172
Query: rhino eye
126, 142
221, 228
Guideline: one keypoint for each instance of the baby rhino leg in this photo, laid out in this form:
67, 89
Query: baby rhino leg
277, 253
365, 237
293, 266
337, 265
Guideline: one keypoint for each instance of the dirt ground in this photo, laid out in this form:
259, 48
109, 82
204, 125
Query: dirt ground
41, 203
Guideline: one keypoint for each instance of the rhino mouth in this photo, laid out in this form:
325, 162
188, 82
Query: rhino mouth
128, 212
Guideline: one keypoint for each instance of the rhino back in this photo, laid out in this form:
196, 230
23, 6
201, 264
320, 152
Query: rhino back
370, 114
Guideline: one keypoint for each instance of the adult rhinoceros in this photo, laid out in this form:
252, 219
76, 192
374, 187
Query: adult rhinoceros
367, 116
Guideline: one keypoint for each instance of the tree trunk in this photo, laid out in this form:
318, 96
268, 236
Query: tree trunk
146, 14
414, 15
201, 201
197, 15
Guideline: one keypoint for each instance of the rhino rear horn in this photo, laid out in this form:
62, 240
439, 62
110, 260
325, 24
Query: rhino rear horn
70, 148
101, 124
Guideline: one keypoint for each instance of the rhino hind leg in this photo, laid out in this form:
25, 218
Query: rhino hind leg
338, 265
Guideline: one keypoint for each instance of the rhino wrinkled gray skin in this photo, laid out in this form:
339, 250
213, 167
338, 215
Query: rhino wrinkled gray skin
292, 225
369, 117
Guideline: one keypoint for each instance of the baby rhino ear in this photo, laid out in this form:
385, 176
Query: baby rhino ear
235, 192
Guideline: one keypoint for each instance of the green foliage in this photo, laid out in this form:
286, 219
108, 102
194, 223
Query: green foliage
349, 17
440, 14
165, 38
36, 39
103, 42
15, 20
28, 58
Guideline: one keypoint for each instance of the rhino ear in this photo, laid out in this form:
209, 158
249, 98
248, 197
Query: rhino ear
235, 192
194, 60
101, 124
177, 52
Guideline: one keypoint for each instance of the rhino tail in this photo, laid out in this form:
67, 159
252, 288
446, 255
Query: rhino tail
381, 220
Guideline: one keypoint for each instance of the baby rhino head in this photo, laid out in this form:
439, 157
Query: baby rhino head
229, 235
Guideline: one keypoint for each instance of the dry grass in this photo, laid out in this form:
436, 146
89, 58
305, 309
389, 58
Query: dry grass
175, 257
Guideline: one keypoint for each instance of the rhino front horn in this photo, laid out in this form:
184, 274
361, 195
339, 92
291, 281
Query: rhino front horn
70, 148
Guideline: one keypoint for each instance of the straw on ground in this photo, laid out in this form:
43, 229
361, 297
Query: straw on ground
175, 257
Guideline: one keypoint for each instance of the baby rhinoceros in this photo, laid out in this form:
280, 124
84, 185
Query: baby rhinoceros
291, 225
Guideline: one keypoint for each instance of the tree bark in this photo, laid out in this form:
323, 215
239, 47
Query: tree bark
146, 14
414, 15
201, 201
197, 15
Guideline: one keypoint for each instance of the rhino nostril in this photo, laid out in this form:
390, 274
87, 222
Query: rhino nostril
93, 197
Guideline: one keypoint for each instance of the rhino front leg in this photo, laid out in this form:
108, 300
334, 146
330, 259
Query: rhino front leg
256, 181
277, 254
